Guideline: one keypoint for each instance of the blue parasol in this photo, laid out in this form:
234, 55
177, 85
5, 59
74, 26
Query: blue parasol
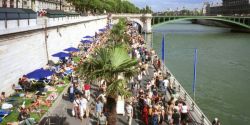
102, 30
39, 74
61, 55
86, 41
71, 49
88, 37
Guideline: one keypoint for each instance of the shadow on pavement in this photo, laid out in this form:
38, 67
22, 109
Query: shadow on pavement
55, 120
122, 121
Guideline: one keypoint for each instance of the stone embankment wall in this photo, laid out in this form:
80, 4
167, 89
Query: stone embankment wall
25, 51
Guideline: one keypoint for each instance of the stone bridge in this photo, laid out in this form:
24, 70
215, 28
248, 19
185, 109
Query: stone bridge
144, 20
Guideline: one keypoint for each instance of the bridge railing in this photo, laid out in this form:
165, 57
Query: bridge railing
131, 15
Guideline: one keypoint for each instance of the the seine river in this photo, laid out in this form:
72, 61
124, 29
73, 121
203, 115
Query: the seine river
223, 69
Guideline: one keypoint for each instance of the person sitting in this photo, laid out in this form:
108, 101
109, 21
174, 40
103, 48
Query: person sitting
24, 83
25, 116
17, 88
3, 97
54, 80
23, 79
38, 102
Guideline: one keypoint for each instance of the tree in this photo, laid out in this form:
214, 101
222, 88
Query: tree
147, 9
108, 64
113, 6
118, 31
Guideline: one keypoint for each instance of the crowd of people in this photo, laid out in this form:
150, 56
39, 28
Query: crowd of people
153, 94
153, 89
79, 90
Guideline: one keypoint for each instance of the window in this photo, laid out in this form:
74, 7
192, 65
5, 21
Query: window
4, 3
11, 3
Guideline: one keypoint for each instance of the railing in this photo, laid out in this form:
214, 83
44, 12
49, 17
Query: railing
15, 16
195, 112
14, 26
131, 15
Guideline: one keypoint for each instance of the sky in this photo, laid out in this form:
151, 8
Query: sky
163, 5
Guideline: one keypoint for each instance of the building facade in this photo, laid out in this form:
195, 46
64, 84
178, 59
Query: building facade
38, 5
230, 7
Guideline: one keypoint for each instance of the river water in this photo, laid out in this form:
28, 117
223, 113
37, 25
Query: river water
223, 69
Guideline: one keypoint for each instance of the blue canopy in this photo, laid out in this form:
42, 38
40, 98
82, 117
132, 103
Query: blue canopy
39, 74
88, 37
86, 41
71, 49
61, 55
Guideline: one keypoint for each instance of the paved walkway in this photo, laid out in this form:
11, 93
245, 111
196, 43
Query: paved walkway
60, 114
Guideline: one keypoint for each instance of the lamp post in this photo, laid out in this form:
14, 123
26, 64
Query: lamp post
60, 4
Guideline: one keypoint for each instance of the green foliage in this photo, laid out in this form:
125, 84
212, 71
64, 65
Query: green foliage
118, 30
108, 64
98, 6
147, 9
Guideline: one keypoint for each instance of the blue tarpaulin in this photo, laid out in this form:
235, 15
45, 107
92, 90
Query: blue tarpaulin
39, 74
87, 37
61, 55
71, 49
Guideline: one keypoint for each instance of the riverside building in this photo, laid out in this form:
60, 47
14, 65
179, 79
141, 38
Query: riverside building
229, 8
37, 5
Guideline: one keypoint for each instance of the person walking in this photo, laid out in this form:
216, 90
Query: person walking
184, 113
71, 92
102, 120
145, 114
99, 108
129, 110
83, 106
176, 117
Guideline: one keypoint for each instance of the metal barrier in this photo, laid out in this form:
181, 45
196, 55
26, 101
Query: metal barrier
16, 16
195, 112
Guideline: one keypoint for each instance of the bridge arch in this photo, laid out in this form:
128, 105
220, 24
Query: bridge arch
138, 21
205, 18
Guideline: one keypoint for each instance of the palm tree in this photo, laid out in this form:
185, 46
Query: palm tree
118, 31
109, 63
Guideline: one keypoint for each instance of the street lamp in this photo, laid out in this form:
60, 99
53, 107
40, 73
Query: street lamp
60, 4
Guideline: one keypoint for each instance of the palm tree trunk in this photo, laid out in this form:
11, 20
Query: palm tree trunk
111, 109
